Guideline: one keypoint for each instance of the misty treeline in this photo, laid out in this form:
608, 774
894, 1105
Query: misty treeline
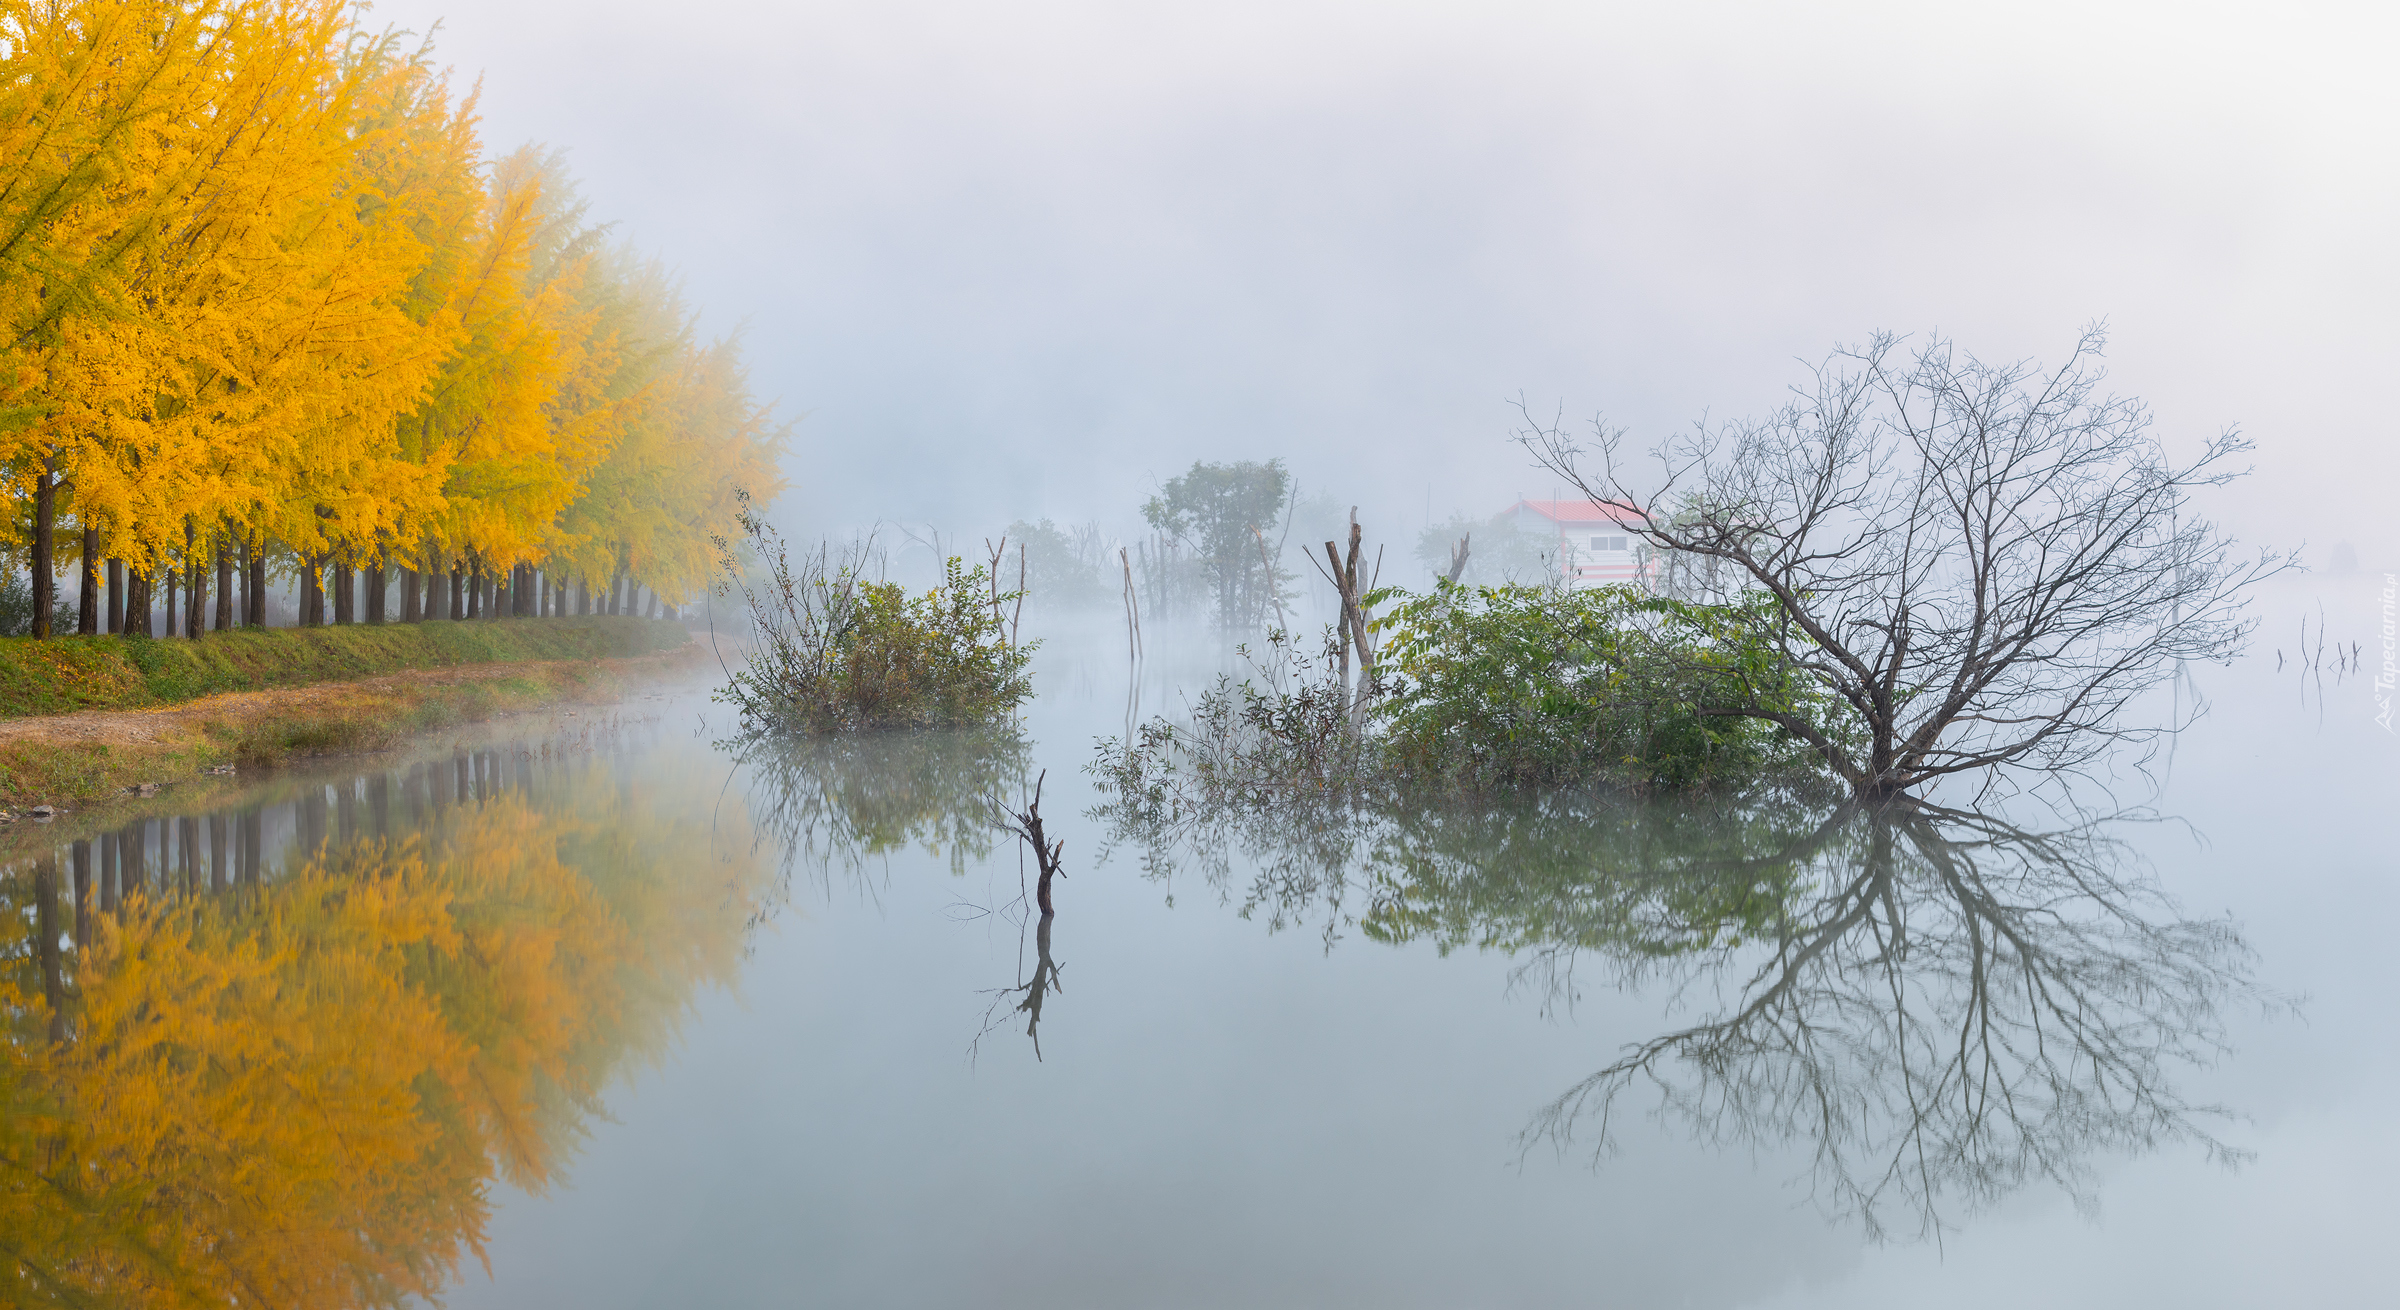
1924, 566
1229, 544
272, 313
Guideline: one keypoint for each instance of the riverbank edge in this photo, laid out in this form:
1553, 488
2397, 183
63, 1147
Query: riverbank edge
63, 675
237, 732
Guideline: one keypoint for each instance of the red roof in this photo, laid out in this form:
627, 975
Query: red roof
1579, 511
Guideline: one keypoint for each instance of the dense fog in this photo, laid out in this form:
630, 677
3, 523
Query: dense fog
1032, 262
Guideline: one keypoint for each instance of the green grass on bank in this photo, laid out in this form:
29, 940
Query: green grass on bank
90, 673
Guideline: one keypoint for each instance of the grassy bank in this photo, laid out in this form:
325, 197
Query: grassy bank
180, 744
97, 673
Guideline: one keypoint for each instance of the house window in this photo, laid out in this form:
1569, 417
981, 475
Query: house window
1608, 543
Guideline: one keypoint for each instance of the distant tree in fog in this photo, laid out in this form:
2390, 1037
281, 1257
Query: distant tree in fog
1064, 568
1499, 552
1984, 563
1217, 514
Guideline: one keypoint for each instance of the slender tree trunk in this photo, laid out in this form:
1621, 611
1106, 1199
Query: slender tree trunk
195, 610
375, 584
409, 612
254, 553
87, 600
583, 595
224, 580
45, 508
345, 596
458, 592
312, 592
167, 629
116, 596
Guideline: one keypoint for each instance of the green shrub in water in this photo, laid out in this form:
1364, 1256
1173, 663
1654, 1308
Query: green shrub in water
1510, 685
839, 653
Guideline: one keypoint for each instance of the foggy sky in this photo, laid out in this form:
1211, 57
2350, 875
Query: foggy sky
1031, 260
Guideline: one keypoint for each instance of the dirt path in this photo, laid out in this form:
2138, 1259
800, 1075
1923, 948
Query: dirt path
180, 722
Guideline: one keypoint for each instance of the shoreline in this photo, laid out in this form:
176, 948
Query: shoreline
76, 760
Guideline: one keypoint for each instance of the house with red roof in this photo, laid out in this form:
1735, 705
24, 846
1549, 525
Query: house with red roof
1595, 545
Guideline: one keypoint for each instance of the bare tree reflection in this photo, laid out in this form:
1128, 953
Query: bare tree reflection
1028, 995
834, 806
1937, 1007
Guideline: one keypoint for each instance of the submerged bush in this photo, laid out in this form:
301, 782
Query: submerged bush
836, 652
1508, 685
1481, 688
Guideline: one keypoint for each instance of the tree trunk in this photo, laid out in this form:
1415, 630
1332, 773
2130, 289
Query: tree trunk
87, 600
224, 581
312, 592
375, 584
168, 628
137, 604
196, 603
345, 596
116, 596
254, 553
45, 508
409, 612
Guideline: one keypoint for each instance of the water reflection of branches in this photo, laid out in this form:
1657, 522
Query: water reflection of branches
1954, 1007
838, 802
1938, 1007
1028, 995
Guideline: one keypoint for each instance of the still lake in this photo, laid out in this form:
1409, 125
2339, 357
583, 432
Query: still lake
2009, 1064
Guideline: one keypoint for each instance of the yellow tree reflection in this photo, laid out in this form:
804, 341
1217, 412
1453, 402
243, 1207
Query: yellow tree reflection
301, 1094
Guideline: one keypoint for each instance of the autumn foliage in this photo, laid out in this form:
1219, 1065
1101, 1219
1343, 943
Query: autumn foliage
302, 1091
264, 301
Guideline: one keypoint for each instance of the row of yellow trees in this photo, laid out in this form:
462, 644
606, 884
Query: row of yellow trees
263, 301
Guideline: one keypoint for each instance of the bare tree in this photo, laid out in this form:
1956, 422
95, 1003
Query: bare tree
1978, 565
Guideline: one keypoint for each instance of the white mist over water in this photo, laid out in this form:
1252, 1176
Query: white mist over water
1027, 261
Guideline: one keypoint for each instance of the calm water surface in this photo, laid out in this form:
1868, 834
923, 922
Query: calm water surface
671, 1027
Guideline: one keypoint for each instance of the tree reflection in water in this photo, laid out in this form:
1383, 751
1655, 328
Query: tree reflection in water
1936, 1006
290, 1073
834, 806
